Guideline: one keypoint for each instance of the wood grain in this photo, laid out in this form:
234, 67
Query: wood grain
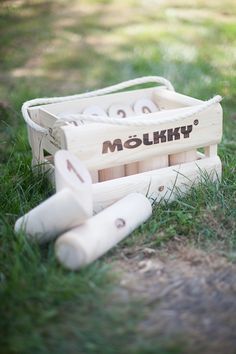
84, 244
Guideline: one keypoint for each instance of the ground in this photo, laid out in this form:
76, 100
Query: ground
170, 286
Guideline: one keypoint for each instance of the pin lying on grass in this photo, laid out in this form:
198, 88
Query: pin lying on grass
87, 242
72, 206
69, 207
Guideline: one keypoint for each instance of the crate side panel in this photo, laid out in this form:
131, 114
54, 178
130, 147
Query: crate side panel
105, 145
164, 184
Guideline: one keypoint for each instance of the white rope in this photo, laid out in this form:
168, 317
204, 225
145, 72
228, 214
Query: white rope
141, 120
103, 91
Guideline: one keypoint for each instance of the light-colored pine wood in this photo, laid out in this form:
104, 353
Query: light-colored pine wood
86, 243
115, 110
95, 110
164, 100
71, 173
35, 139
187, 156
120, 110
123, 111
54, 216
103, 101
111, 173
147, 106
153, 163
162, 184
87, 142
131, 168
211, 150
94, 176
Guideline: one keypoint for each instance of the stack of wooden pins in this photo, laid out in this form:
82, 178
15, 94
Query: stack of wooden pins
69, 207
122, 110
84, 244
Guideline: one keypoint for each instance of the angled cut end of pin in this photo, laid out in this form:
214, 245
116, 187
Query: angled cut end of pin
71, 173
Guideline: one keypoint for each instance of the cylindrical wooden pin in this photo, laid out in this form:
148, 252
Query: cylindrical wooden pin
111, 173
71, 173
145, 106
131, 168
183, 157
122, 110
95, 111
116, 110
84, 244
54, 216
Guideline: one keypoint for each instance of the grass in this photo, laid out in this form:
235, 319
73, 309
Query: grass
52, 48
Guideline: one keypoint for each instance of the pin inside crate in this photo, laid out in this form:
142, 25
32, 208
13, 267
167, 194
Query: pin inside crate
153, 140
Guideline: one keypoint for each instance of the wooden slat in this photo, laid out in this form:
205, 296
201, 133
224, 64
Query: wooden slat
157, 184
87, 141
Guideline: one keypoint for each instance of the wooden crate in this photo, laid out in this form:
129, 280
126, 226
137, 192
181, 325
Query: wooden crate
189, 141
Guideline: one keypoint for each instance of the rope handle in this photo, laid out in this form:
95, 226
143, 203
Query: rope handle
140, 120
103, 91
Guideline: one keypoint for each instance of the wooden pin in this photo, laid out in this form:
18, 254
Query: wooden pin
116, 110
95, 111
86, 243
71, 173
131, 168
183, 157
145, 106
54, 216
170, 100
122, 110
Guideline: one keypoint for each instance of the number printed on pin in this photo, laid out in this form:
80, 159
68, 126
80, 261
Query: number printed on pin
70, 168
121, 113
120, 223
